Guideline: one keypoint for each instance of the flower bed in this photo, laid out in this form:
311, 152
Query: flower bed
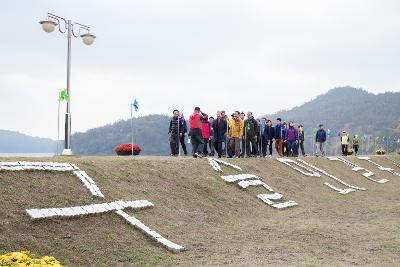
126, 150
350, 151
380, 152
25, 258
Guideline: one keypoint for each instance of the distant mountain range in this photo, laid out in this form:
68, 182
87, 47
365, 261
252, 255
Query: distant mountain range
355, 110
15, 142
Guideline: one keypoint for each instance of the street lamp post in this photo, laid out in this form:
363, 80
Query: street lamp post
66, 26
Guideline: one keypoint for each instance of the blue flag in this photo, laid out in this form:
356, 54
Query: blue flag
135, 105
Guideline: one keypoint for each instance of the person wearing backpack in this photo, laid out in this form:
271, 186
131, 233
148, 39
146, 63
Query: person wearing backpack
251, 131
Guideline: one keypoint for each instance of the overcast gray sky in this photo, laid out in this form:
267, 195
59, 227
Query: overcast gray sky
249, 55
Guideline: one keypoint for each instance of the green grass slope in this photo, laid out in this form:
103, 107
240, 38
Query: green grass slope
218, 223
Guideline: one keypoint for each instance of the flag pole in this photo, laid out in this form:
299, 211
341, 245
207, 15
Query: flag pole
58, 125
132, 129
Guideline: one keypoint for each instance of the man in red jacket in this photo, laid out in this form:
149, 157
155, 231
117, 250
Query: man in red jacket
196, 136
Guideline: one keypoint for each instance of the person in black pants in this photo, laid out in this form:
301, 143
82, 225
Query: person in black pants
251, 131
196, 136
285, 148
174, 133
300, 143
268, 135
219, 129
262, 141
183, 131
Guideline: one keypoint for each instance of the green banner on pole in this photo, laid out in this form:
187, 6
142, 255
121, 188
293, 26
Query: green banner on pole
63, 95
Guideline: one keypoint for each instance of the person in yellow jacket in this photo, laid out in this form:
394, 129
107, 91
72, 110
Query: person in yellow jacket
344, 140
236, 126
356, 143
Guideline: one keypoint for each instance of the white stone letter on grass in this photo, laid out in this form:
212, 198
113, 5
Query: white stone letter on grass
291, 163
367, 173
244, 180
68, 212
54, 166
116, 207
351, 188
390, 170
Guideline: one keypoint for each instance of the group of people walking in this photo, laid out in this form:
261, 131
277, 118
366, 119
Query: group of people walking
237, 136
242, 135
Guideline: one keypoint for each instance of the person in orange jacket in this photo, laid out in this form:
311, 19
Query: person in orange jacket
236, 133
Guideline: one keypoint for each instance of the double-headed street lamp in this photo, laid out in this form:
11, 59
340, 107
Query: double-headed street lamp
72, 29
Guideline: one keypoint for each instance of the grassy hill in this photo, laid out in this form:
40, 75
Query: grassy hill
218, 223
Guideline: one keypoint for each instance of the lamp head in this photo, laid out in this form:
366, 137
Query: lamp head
48, 25
88, 38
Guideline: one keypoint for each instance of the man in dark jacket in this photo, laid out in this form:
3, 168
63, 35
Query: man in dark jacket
278, 134
174, 133
183, 128
267, 138
219, 127
320, 139
270, 135
251, 131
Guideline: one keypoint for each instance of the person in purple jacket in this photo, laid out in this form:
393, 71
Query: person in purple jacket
292, 139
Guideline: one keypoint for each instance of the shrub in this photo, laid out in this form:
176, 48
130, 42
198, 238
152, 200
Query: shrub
126, 150
25, 258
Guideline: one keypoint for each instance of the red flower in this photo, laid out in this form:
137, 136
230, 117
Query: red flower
126, 149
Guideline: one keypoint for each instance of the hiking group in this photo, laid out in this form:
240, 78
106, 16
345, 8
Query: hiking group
242, 136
